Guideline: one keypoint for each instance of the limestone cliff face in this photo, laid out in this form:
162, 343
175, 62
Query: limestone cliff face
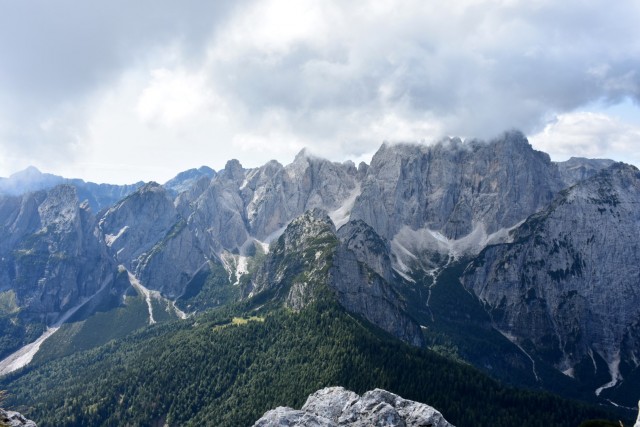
558, 270
258, 203
363, 279
274, 194
335, 406
354, 264
453, 186
577, 169
218, 212
49, 257
135, 224
568, 284
145, 233
165, 240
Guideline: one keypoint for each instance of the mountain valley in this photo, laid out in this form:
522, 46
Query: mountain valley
479, 267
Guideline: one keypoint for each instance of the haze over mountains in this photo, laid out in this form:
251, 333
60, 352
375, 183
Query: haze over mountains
484, 250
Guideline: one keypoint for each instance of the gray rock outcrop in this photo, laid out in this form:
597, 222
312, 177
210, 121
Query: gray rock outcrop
49, 256
145, 233
258, 203
335, 406
558, 274
568, 283
14, 419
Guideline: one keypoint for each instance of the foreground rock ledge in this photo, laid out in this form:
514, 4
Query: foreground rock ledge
335, 406
14, 419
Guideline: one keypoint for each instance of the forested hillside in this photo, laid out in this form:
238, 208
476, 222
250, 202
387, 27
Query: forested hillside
229, 366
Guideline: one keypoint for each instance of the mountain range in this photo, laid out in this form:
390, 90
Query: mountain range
485, 252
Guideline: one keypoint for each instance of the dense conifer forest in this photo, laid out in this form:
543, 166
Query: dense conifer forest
228, 366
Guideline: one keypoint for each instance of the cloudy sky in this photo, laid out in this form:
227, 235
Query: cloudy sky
120, 91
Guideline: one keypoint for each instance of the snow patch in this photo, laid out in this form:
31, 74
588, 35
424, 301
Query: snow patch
244, 184
404, 275
439, 236
341, 216
593, 360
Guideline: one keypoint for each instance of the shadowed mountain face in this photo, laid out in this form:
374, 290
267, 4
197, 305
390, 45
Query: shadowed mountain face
567, 286
550, 249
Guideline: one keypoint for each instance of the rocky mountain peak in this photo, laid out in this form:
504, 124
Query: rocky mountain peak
302, 156
354, 264
453, 187
29, 179
134, 224
233, 170
313, 224
187, 179
335, 406
29, 172
306, 246
150, 187
579, 168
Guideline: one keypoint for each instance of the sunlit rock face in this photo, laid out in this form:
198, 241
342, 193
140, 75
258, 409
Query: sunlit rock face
335, 406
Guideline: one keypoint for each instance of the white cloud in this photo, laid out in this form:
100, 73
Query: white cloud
172, 96
273, 28
588, 134
142, 95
